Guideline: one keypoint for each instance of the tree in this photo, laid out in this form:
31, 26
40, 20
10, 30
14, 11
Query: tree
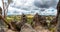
5, 7
58, 16
0, 10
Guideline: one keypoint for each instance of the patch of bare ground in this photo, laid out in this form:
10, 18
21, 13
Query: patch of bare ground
41, 29
9, 30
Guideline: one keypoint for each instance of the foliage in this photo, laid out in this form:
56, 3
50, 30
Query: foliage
30, 20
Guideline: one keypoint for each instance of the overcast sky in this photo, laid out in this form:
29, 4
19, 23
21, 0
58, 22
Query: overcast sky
43, 7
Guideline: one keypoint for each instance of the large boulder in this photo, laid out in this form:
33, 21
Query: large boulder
27, 28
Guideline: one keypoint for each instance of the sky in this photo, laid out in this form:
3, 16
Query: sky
42, 7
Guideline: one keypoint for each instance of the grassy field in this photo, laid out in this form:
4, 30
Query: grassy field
29, 18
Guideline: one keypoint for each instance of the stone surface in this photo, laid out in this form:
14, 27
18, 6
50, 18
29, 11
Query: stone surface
27, 28
41, 29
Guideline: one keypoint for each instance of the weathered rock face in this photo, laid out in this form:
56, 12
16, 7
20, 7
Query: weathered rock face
2, 30
36, 20
22, 22
39, 20
27, 28
43, 20
2, 24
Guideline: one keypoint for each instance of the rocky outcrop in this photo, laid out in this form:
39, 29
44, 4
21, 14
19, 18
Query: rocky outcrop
27, 28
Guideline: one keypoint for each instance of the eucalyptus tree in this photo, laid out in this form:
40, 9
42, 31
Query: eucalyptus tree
5, 6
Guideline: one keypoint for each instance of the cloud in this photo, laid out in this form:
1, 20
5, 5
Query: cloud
32, 7
0, 3
45, 3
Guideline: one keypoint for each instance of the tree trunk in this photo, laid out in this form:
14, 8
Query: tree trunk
58, 16
3, 8
0, 10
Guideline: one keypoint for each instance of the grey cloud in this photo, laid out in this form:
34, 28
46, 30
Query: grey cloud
45, 4
15, 12
40, 5
36, 6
